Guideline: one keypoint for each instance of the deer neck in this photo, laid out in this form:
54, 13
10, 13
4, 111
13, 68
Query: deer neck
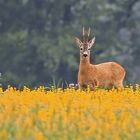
84, 64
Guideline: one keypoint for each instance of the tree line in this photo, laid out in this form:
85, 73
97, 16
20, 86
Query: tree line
37, 38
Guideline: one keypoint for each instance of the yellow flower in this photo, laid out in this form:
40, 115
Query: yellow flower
89, 131
39, 136
69, 113
115, 137
1, 90
3, 134
137, 124
42, 114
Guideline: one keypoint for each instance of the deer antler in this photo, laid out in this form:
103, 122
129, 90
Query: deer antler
83, 31
86, 35
88, 32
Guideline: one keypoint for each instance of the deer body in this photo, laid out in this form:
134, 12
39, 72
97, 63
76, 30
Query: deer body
104, 75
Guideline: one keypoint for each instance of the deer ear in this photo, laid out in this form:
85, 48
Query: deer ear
78, 41
91, 42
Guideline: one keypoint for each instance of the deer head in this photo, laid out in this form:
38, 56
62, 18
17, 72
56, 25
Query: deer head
86, 44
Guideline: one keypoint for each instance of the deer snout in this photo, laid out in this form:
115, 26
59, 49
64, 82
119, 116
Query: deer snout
85, 54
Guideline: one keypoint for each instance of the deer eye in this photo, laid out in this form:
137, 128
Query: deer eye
81, 48
89, 49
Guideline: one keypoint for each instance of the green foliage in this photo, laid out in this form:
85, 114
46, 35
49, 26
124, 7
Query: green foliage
37, 38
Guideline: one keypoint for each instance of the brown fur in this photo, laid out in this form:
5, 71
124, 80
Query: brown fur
104, 75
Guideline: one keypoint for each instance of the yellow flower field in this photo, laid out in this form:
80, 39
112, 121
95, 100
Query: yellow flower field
70, 114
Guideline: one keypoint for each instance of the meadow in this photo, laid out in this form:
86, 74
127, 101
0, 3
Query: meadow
70, 114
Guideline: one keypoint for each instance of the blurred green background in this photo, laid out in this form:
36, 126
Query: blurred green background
37, 38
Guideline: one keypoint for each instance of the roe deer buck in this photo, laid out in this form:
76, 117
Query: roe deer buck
104, 75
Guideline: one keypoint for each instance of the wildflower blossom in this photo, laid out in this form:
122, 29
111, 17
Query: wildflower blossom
70, 114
